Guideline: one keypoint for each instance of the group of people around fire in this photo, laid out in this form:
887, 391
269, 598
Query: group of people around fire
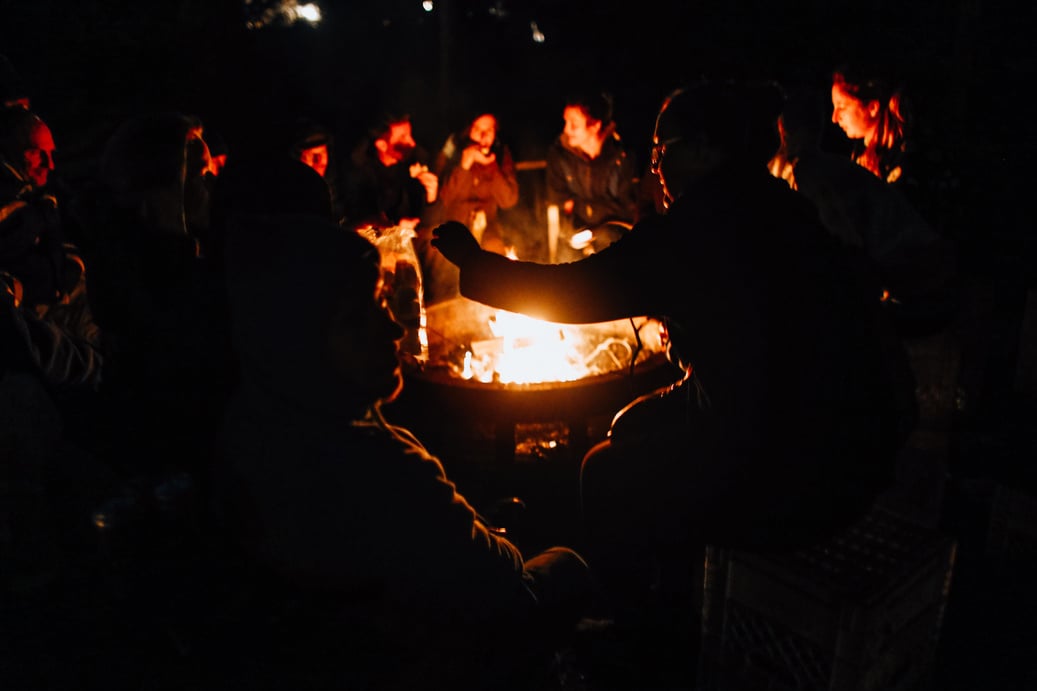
220, 314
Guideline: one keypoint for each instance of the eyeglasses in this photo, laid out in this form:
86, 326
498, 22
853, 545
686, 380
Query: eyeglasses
659, 150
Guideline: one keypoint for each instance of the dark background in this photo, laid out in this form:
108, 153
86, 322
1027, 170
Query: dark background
88, 64
967, 67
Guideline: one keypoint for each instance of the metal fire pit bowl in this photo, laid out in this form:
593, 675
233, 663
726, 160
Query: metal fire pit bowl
436, 398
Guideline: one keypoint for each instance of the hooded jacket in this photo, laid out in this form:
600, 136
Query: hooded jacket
317, 486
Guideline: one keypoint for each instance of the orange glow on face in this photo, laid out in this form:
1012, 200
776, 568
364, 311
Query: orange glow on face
580, 131
483, 131
38, 159
316, 158
216, 163
859, 120
396, 145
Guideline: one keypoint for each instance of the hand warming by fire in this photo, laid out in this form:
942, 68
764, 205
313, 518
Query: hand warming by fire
476, 342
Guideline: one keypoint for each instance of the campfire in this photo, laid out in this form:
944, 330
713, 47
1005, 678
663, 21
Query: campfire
471, 368
473, 342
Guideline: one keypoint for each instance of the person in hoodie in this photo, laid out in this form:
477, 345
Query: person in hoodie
327, 496
164, 335
590, 176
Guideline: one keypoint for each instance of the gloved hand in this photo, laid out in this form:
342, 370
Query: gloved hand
456, 243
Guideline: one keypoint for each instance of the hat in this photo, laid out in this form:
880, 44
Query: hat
307, 134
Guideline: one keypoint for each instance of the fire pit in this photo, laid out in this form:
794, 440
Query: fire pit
490, 367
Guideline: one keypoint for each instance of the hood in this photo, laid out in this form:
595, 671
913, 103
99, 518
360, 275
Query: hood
287, 277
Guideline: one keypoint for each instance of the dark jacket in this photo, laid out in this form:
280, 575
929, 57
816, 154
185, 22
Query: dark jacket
602, 189
779, 322
378, 195
31, 242
322, 494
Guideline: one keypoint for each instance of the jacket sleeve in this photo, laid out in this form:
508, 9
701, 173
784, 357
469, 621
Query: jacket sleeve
625, 192
447, 551
505, 182
612, 284
455, 186
557, 185
64, 361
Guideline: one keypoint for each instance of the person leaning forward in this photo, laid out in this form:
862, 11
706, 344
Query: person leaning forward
796, 395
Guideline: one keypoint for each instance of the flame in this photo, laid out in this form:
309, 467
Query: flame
533, 350
582, 239
475, 342
525, 350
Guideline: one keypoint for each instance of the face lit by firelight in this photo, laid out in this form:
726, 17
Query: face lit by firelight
316, 158
397, 144
580, 131
858, 119
38, 159
483, 131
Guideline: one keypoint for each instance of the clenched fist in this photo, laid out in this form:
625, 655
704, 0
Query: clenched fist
456, 242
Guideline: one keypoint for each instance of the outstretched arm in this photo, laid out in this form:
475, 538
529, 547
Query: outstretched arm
612, 284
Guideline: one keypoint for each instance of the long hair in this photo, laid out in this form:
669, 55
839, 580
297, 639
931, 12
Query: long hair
596, 106
883, 154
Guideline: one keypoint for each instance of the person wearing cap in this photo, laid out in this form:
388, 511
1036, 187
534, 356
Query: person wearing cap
784, 426
310, 145
326, 496
313, 144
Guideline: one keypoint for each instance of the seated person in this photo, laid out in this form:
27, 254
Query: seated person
163, 326
478, 176
874, 116
590, 176
389, 185
915, 263
479, 179
324, 494
388, 182
314, 145
32, 243
786, 425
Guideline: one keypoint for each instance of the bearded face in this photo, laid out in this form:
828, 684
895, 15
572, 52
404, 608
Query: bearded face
397, 145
